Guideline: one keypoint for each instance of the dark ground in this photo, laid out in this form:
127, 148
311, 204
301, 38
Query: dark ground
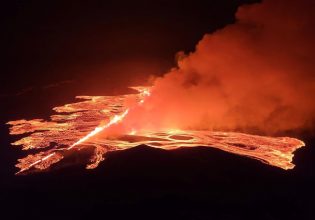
50, 50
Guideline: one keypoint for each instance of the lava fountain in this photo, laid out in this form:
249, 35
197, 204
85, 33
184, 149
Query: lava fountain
78, 125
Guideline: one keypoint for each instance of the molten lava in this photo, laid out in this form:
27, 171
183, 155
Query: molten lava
79, 124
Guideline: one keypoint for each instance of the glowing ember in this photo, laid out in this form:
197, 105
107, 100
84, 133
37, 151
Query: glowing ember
79, 124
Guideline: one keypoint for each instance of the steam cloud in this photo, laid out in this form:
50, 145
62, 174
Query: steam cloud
255, 74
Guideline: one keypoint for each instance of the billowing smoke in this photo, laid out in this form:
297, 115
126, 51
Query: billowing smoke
256, 74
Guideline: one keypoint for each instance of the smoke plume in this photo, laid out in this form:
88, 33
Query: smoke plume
256, 74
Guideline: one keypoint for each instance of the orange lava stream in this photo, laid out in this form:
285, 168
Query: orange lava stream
77, 125
114, 120
97, 130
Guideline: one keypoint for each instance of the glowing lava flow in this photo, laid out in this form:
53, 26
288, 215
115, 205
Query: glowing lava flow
97, 130
77, 126
117, 118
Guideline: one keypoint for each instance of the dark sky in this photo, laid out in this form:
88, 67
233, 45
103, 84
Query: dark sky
101, 43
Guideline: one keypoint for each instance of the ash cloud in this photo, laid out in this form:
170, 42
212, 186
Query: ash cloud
256, 74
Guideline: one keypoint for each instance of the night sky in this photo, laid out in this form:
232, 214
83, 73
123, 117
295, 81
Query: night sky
55, 50
102, 41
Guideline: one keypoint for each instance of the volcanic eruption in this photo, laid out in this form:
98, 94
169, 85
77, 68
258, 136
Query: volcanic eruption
256, 74
72, 131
